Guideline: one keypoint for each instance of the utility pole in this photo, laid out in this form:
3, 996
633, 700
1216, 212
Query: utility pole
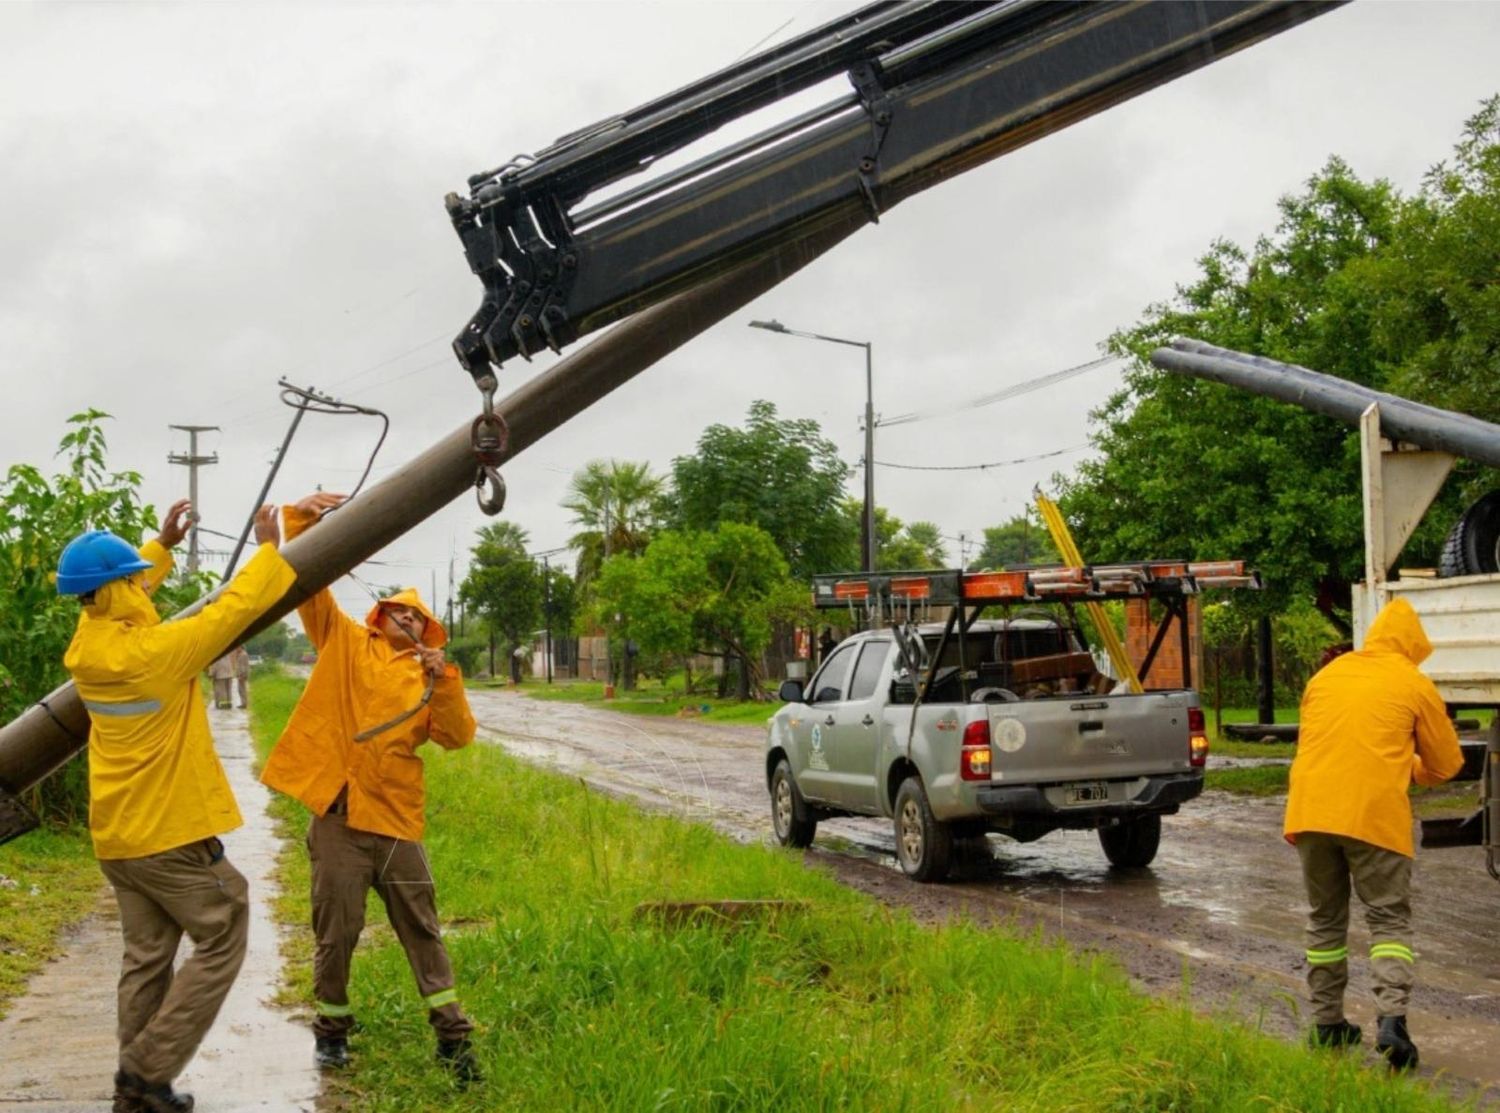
963, 551
868, 538
609, 657
547, 611
193, 462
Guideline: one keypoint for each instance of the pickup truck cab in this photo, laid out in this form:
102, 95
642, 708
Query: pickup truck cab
1041, 743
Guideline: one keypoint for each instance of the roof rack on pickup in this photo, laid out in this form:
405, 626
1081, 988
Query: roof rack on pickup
890, 591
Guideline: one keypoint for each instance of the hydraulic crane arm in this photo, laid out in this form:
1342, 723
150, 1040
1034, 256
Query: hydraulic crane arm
938, 88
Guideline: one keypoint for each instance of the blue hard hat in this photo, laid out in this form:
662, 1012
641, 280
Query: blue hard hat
93, 559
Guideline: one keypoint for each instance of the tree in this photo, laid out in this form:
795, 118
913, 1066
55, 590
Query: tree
779, 474
504, 586
614, 499
1014, 542
717, 591
1356, 281
271, 642
39, 515
898, 546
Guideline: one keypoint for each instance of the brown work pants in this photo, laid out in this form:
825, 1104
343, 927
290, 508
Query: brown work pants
223, 691
190, 890
1382, 880
346, 865
242, 685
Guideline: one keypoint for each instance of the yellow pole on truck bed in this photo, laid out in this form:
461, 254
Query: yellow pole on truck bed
1062, 537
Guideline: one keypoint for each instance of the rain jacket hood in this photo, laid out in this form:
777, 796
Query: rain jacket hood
1397, 629
433, 636
351, 731
155, 782
1370, 725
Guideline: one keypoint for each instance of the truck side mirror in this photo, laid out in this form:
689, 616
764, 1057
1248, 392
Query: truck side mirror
790, 691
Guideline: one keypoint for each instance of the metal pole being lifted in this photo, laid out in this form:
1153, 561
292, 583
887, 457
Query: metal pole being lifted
51, 731
1400, 418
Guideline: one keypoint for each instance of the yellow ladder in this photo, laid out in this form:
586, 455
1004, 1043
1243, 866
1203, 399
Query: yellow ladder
1062, 537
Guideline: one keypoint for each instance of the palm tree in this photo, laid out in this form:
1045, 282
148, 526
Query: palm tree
615, 503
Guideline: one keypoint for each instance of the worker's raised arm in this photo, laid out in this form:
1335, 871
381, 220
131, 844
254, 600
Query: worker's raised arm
174, 527
1438, 755
450, 723
187, 646
320, 614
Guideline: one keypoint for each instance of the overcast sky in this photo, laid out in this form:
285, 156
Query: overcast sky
199, 199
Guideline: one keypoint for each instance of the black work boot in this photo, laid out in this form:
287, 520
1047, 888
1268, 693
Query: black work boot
1394, 1042
126, 1094
1342, 1034
149, 1097
457, 1057
331, 1053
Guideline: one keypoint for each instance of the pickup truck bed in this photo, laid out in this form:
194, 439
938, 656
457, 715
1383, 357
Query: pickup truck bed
1052, 751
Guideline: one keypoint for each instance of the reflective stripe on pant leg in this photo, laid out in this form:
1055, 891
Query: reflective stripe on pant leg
1382, 878
1325, 873
341, 875
405, 885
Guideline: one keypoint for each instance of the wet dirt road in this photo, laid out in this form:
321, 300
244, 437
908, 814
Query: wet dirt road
57, 1044
1218, 916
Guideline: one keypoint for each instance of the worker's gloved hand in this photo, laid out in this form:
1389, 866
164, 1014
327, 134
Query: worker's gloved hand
175, 523
321, 502
268, 525
433, 661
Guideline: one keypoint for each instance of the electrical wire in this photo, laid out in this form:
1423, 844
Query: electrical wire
981, 467
1009, 392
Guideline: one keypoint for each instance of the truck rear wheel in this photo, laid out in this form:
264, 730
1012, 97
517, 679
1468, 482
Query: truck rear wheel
790, 815
1131, 845
924, 846
1473, 545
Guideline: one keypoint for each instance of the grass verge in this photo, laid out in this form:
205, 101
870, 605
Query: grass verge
583, 1003
654, 698
49, 881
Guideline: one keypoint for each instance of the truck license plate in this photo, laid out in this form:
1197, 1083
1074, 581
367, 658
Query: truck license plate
1087, 792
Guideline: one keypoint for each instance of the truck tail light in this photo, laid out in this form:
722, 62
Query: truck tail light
1197, 738
974, 764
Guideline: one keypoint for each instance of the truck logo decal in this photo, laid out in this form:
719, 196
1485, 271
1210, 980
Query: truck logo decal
817, 759
1010, 735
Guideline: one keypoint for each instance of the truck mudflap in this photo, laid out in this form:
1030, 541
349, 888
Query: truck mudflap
1045, 806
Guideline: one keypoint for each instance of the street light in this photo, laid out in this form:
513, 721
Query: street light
867, 541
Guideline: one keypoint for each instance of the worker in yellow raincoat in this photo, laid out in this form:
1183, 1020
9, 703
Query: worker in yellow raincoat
1370, 725
379, 690
158, 797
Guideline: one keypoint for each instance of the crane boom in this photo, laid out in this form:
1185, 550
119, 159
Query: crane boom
937, 88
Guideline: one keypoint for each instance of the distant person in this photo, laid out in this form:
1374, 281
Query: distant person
826, 644
158, 797
378, 691
241, 658
1370, 724
221, 672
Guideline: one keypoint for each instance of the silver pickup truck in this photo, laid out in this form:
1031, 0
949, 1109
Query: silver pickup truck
1036, 747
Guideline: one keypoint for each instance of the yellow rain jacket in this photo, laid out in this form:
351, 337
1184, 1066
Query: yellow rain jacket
155, 782
360, 682
1370, 725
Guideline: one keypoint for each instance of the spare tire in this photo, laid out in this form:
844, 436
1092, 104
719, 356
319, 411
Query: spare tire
1473, 545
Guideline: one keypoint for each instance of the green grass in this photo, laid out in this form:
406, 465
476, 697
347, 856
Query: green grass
583, 1004
59, 865
1254, 780
654, 698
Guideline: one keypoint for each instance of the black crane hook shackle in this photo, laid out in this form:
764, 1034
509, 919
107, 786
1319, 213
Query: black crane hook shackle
489, 436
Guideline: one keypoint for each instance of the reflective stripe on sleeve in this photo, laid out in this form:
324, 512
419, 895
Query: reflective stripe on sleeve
1392, 950
327, 1008
1328, 957
138, 707
441, 998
